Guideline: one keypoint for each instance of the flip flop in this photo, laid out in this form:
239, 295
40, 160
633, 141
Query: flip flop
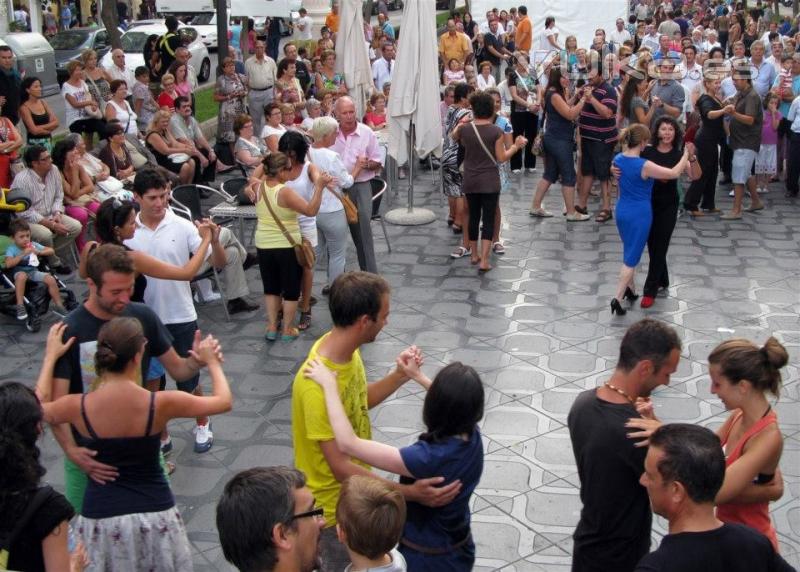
271, 335
755, 209
604, 216
295, 333
483, 271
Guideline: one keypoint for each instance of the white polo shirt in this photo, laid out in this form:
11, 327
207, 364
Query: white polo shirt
173, 241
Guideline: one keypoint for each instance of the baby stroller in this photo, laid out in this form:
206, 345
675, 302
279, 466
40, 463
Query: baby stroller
36, 300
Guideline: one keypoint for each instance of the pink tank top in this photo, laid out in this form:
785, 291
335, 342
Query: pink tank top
755, 515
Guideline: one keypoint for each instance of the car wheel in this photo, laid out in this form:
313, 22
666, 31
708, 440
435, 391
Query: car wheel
205, 70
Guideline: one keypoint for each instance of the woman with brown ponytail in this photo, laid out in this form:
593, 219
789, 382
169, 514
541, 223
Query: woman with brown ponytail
741, 376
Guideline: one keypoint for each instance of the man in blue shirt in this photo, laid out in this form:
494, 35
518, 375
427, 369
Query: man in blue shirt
764, 73
793, 166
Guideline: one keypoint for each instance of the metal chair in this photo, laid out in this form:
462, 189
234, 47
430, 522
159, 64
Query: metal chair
379, 187
187, 205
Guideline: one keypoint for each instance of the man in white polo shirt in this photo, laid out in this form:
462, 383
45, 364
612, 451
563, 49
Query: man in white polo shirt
166, 236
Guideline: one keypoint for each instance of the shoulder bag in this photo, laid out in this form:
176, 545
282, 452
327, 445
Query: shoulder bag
303, 251
101, 103
350, 208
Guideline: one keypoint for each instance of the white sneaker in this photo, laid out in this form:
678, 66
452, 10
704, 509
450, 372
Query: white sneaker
532, 170
203, 437
765, 190
732, 193
517, 171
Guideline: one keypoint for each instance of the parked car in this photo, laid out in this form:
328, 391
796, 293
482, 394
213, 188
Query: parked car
390, 4
206, 26
68, 45
133, 42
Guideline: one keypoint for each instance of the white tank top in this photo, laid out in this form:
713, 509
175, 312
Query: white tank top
126, 117
303, 186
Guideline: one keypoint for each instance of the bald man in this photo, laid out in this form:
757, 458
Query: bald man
117, 69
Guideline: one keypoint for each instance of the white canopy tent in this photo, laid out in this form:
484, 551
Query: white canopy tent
413, 106
352, 59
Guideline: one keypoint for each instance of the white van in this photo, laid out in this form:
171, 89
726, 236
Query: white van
250, 8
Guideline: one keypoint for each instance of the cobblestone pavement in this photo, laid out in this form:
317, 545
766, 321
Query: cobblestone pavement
538, 329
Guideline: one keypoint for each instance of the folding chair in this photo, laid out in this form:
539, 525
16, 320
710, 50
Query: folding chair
186, 203
379, 187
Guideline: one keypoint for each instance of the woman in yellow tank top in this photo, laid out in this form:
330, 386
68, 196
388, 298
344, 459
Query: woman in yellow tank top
280, 272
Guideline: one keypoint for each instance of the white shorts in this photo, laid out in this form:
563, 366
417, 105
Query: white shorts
742, 165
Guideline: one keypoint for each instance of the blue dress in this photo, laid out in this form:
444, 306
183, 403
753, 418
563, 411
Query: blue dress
634, 213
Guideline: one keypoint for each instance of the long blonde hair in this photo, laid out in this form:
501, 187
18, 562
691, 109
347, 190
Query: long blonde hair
157, 117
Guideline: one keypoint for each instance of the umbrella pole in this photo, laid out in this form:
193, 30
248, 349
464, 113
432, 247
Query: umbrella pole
410, 216
411, 167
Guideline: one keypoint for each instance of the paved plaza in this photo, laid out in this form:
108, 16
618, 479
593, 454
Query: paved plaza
539, 331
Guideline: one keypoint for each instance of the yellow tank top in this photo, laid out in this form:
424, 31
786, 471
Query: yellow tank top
268, 234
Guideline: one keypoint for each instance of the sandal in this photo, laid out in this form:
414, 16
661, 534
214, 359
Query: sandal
603, 216
271, 335
498, 248
460, 252
305, 321
293, 334
457, 229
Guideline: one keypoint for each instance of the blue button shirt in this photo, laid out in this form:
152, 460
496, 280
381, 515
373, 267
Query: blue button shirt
794, 115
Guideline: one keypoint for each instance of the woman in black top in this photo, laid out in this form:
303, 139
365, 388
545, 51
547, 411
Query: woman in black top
524, 113
41, 541
707, 141
666, 150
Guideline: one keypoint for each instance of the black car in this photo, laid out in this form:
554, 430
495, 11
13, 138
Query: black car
69, 44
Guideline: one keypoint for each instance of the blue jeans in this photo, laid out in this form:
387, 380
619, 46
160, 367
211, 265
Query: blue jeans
183, 338
332, 239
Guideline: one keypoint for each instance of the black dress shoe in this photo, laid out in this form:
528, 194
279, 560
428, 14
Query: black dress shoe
238, 305
326, 290
249, 260
63, 270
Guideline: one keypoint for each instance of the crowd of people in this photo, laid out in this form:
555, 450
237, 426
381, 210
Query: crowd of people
678, 90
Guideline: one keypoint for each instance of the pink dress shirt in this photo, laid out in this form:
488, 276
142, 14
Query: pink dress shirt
362, 141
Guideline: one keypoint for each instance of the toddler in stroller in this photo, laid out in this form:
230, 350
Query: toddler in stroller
26, 298
22, 262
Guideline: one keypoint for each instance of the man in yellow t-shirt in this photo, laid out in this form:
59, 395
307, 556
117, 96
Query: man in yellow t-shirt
453, 45
359, 306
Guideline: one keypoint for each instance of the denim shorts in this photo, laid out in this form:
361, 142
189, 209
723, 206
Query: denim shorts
559, 161
742, 165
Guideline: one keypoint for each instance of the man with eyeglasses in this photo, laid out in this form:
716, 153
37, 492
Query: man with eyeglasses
187, 130
261, 72
267, 521
41, 182
117, 69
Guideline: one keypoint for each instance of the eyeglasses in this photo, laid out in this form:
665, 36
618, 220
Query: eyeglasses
45, 158
314, 512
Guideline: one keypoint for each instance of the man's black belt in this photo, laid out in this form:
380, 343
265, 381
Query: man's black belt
261, 89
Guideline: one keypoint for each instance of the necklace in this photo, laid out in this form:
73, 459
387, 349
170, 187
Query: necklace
621, 392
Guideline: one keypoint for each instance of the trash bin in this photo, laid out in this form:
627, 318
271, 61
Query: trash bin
34, 56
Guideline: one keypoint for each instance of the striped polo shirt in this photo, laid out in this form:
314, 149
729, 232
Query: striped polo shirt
592, 125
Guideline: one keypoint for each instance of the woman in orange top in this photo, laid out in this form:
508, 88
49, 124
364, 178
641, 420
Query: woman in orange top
741, 375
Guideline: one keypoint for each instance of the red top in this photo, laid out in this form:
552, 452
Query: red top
755, 515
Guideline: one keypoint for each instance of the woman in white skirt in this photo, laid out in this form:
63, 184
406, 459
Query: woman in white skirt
132, 523
767, 159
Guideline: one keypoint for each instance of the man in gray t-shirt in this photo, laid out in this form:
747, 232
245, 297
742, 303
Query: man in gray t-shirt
668, 94
746, 118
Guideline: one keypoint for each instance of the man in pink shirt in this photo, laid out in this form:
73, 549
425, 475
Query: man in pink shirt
358, 147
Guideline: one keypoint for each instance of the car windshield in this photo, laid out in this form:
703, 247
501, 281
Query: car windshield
71, 40
133, 42
203, 19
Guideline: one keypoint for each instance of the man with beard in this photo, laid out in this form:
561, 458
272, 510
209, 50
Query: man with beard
110, 278
614, 528
268, 521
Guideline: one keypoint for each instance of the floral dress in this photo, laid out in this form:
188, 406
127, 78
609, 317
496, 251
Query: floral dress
451, 176
229, 110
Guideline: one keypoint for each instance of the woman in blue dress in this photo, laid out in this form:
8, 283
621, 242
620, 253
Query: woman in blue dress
434, 539
634, 214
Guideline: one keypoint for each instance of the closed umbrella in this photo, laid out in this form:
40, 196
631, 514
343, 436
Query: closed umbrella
352, 57
414, 99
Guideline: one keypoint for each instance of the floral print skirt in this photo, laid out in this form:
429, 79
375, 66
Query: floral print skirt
140, 542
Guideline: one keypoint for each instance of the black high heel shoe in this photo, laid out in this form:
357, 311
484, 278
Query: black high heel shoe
630, 295
616, 308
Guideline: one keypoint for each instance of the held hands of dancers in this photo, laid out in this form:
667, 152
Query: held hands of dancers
206, 351
408, 365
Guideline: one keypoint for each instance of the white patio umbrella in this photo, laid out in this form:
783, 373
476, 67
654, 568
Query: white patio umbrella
413, 106
352, 57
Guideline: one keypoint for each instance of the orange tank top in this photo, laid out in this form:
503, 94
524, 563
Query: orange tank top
755, 515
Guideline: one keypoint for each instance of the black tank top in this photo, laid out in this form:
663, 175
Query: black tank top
141, 485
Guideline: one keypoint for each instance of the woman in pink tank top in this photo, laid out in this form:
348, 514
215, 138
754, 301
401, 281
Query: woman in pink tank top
741, 376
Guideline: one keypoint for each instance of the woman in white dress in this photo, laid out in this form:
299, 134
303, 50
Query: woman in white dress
548, 40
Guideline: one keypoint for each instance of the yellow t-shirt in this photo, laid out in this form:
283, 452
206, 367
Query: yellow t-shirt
310, 424
268, 235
